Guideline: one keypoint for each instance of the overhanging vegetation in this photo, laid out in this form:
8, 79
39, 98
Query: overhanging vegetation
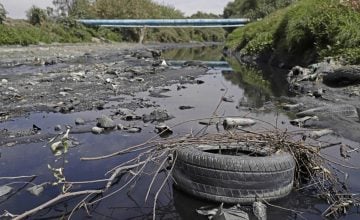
303, 32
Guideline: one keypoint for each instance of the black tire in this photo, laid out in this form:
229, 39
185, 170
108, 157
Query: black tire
233, 179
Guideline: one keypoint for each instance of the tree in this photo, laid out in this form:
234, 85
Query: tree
254, 9
36, 15
2, 13
62, 7
74, 8
82, 9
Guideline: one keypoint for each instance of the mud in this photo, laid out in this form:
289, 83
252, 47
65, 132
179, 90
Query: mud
77, 78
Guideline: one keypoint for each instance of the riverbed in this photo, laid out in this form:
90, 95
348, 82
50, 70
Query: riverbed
48, 88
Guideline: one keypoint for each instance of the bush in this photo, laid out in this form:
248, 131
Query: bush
36, 16
302, 33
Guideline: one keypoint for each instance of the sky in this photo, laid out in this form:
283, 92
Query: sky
17, 8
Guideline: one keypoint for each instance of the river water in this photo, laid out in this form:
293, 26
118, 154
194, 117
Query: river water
254, 94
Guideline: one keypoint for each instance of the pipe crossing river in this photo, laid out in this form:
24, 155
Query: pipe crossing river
233, 22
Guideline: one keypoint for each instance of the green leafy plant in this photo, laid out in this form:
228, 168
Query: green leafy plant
303, 32
36, 16
2, 13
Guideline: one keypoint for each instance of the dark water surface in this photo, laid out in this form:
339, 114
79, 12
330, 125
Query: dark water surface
248, 89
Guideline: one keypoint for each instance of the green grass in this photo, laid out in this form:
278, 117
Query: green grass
23, 33
304, 32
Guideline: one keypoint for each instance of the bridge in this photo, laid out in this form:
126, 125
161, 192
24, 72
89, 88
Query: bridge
165, 23
156, 23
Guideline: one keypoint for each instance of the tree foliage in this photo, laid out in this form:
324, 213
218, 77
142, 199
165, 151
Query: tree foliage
2, 13
36, 15
254, 9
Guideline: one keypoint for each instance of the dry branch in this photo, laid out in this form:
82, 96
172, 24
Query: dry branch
55, 200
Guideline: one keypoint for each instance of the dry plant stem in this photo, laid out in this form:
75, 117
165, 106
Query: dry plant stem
157, 172
78, 206
286, 209
123, 151
126, 184
87, 182
130, 161
340, 164
120, 170
55, 200
17, 177
162, 185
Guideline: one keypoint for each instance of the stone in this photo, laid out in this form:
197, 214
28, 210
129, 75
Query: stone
4, 81
105, 122
79, 121
57, 128
157, 115
97, 130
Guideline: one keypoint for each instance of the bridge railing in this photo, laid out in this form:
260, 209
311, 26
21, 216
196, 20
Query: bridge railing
233, 22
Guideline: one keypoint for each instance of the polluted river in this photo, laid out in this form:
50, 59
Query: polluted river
107, 98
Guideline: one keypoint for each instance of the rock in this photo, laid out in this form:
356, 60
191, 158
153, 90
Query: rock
199, 81
144, 54
157, 92
12, 89
230, 123
297, 74
97, 130
127, 114
79, 121
227, 99
300, 122
320, 133
132, 129
64, 93
120, 127
57, 128
318, 93
4, 81
180, 86
50, 62
108, 80
80, 74
155, 53
163, 130
330, 110
185, 107
292, 107
157, 115
343, 76
105, 122
67, 89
